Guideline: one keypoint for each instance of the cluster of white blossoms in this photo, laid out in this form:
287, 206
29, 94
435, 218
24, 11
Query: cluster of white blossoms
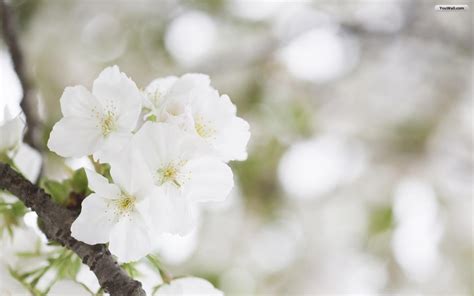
167, 147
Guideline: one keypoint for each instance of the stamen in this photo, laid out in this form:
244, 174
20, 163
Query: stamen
167, 174
125, 204
203, 128
108, 123
171, 173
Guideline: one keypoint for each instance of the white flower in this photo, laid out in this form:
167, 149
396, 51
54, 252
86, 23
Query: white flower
119, 213
189, 286
191, 103
11, 131
156, 92
28, 161
100, 122
182, 167
25, 158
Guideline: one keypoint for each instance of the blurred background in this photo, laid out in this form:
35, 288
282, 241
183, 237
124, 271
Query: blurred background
360, 171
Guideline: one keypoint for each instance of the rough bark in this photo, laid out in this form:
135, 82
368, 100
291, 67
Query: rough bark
57, 224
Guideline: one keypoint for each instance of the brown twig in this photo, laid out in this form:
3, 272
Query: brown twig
56, 225
27, 103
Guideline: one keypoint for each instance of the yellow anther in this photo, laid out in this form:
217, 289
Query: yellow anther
125, 204
108, 123
204, 130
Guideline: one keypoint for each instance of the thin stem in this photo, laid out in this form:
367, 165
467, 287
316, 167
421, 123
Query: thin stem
165, 275
97, 166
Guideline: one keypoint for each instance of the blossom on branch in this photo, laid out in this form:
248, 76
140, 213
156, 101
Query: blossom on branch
118, 213
184, 169
100, 122
191, 103
161, 167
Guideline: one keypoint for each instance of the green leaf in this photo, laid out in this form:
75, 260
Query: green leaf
18, 209
64, 263
24, 283
68, 266
151, 118
12, 212
58, 191
4, 158
381, 220
131, 269
102, 169
79, 181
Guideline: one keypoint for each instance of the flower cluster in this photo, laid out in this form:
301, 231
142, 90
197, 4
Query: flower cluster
167, 147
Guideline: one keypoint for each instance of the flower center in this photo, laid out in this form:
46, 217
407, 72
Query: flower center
125, 204
108, 123
171, 173
203, 128
168, 173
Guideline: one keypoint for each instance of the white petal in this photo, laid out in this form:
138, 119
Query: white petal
113, 146
160, 143
182, 215
100, 185
11, 131
231, 143
75, 137
131, 173
7, 115
77, 101
151, 144
187, 83
184, 91
231, 132
210, 179
94, 224
163, 85
130, 239
184, 120
229, 106
157, 90
119, 93
155, 209
174, 214
28, 160
207, 101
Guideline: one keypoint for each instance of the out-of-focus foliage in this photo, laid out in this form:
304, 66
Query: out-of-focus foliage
68, 192
360, 168
64, 263
11, 214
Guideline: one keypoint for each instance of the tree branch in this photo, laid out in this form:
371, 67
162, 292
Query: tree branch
27, 102
57, 224
56, 219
